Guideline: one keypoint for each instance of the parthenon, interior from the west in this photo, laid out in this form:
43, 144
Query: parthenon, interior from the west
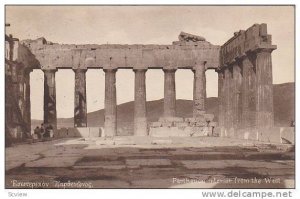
243, 64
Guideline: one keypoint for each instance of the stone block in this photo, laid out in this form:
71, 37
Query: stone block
148, 162
190, 119
284, 135
199, 131
83, 131
171, 119
53, 161
200, 124
248, 134
168, 132
95, 132
270, 135
105, 142
156, 124
161, 142
124, 142
181, 124
287, 135
209, 117
167, 124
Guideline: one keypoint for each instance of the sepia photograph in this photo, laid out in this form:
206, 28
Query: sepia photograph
149, 97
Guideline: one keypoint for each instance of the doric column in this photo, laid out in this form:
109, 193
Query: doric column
248, 93
169, 93
264, 89
110, 109
21, 91
27, 104
236, 100
221, 97
15, 93
228, 100
50, 117
199, 94
140, 111
80, 108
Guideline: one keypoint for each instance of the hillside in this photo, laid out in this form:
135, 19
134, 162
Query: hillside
284, 110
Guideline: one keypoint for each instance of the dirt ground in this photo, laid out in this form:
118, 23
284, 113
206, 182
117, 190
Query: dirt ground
121, 163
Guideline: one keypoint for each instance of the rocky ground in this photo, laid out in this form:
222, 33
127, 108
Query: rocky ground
126, 162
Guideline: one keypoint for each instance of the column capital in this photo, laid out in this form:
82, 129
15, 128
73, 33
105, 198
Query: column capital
219, 70
81, 70
110, 70
267, 49
49, 70
199, 65
169, 70
139, 69
27, 71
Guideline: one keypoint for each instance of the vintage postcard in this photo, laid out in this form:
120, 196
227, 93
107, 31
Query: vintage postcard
149, 96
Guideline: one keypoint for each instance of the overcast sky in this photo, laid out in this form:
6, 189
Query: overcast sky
144, 25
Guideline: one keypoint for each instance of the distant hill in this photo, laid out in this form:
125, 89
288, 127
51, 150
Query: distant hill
284, 110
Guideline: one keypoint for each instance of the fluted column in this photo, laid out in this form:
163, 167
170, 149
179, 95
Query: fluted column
140, 111
221, 97
169, 93
80, 107
15, 90
228, 101
264, 89
50, 117
236, 100
199, 94
248, 94
27, 104
110, 109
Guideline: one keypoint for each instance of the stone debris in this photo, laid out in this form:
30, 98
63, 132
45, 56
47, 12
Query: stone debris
183, 36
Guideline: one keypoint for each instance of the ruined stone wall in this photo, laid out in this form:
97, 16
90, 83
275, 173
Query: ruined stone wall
19, 62
245, 82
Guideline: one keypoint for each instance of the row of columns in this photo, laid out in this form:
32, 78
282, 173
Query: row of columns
246, 93
110, 105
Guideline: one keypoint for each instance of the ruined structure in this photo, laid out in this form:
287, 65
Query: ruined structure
243, 64
246, 84
19, 62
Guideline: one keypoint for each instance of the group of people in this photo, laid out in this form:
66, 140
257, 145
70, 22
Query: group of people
45, 131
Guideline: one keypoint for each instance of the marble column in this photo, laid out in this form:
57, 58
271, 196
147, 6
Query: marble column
221, 97
80, 107
15, 92
199, 94
264, 89
248, 93
110, 104
50, 117
236, 100
140, 111
228, 100
169, 93
27, 103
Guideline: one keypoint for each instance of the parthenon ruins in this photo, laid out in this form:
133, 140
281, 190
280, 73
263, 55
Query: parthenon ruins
243, 64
